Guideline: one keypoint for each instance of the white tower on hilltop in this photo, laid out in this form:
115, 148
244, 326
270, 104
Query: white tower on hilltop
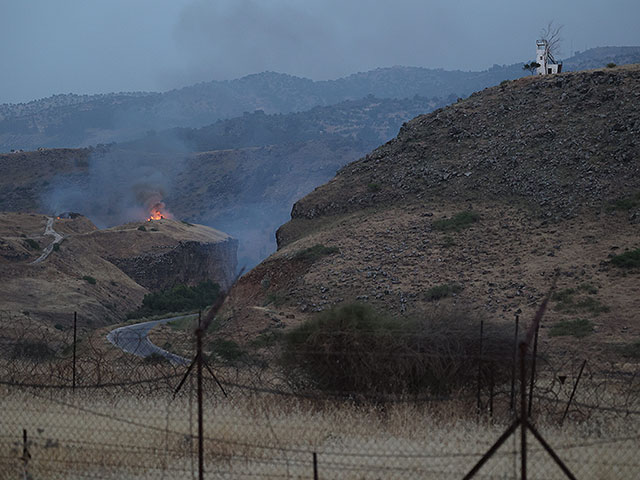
548, 64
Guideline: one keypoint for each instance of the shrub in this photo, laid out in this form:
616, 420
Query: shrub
568, 303
180, 298
373, 187
630, 259
89, 279
31, 244
456, 223
631, 350
577, 328
276, 299
56, 247
442, 291
611, 65
227, 350
32, 350
314, 253
155, 358
353, 348
142, 228
626, 203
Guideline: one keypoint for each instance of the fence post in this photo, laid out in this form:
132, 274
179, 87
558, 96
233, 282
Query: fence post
26, 456
315, 466
573, 392
533, 368
512, 399
523, 412
199, 375
478, 406
75, 337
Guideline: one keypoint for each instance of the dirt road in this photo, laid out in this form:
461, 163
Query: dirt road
57, 238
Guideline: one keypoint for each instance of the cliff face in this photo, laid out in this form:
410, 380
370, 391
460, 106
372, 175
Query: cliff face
189, 262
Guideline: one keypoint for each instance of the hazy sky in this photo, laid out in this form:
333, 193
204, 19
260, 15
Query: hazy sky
94, 46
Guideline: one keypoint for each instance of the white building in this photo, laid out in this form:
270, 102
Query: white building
548, 64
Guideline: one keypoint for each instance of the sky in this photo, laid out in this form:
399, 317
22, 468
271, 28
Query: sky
97, 46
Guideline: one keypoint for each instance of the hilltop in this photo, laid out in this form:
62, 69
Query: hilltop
83, 120
477, 205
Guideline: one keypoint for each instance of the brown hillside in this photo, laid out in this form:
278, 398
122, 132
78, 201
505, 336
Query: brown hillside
548, 169
102, 274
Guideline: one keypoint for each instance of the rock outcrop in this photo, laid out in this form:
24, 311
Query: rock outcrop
188, 262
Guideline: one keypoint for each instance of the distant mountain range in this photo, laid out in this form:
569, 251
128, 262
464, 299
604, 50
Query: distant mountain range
82, 120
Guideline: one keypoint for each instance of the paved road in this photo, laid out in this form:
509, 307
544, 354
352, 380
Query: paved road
57, 238
133, 339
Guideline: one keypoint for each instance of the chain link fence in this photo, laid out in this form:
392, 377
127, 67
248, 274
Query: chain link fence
125, 417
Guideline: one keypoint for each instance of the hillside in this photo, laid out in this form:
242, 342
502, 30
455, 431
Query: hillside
248, 173
82, 120
101, 274
478, 206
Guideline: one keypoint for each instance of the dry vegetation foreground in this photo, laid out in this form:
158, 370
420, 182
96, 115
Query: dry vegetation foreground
114, 435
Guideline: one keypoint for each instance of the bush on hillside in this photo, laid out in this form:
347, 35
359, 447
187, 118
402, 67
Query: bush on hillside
456, 223
353, 348
180, 298
630, 259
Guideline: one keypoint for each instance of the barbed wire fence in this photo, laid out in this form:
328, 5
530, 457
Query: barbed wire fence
124, 417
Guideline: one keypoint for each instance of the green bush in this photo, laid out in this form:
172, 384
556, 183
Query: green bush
142, 228
630, 259
373, 187
226, 350
626, 203
32, 350
353, 348
314, 253
568, 303
611, 65
276, 299
456, 223
631, 350
89, 279
577, 328
31, 244
180, 298
442, 291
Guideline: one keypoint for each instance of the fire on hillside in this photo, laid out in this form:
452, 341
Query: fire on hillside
158, 211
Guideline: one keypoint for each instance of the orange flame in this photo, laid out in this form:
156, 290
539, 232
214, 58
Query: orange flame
158, 212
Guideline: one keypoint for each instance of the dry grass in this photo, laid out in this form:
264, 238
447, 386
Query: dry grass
99, 435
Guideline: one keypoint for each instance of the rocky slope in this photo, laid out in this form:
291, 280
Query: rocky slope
102, 274
487, 200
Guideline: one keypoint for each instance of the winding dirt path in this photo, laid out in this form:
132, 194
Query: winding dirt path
133, 339
57, 238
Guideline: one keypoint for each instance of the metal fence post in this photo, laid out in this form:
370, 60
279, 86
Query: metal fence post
200, 426
512, 398
75, 338
478, 403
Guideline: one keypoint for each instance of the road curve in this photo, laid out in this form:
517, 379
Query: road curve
133, 339
57, 238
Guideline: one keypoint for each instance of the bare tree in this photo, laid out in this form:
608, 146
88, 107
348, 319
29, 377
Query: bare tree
551, 35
